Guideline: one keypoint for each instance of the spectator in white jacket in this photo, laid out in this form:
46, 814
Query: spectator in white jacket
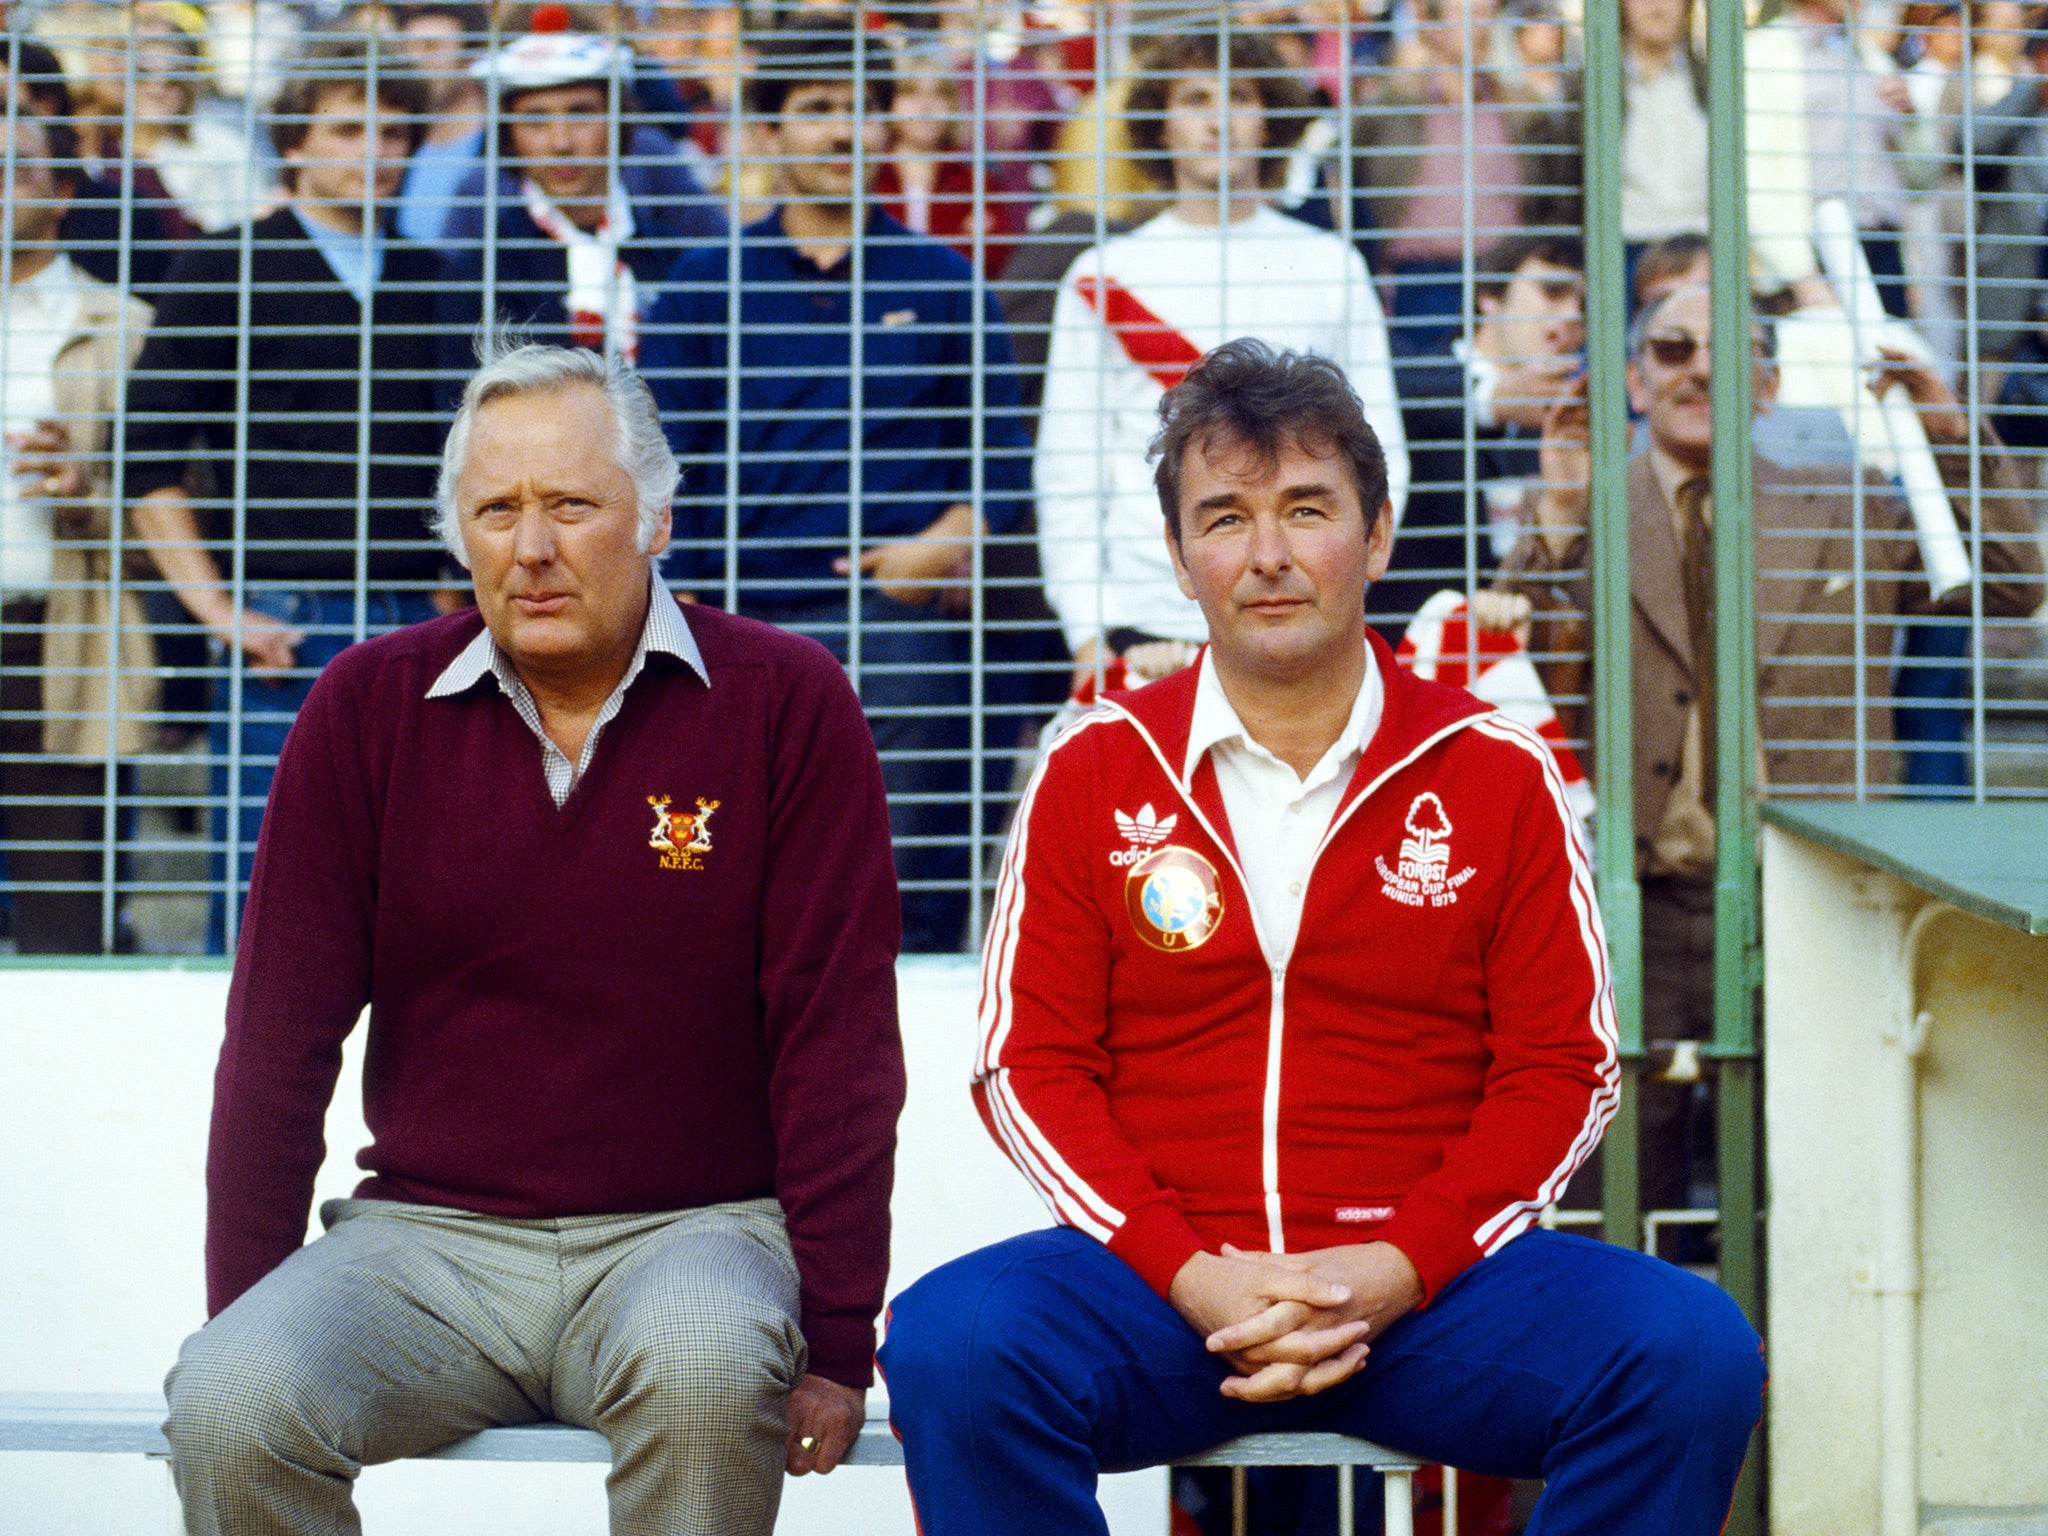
1136, 311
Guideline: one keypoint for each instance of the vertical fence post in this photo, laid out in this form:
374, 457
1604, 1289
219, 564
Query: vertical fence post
10, 153
1973, 404
977, 488
737, 124
1734, 661
1735, 874
1099, 64
117, 511
234, 661
1613, 728
856, 356
366, 246
1468, 261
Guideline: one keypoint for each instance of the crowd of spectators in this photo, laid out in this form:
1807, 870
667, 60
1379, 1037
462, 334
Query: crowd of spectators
909, 288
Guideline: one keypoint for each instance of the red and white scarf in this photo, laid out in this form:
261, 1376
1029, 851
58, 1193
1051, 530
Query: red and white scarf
602, 302
1439, 643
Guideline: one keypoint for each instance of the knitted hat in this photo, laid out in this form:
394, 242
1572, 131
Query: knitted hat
552, 55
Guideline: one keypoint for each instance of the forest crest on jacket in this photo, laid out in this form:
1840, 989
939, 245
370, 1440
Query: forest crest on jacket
1423, 876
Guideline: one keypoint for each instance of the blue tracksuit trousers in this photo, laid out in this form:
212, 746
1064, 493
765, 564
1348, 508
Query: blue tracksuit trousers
1628, 1385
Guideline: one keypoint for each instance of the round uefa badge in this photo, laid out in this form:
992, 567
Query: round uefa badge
1175, 899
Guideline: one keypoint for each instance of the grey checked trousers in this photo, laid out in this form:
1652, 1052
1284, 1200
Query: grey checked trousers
407, 1326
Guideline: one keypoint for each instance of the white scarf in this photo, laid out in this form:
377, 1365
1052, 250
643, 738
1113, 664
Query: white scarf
603, 306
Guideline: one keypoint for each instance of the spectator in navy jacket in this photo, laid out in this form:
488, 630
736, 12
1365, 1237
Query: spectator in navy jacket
576, 256
842, 313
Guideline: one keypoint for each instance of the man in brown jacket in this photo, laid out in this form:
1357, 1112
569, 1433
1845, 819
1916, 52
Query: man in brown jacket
1811, 717
77, 674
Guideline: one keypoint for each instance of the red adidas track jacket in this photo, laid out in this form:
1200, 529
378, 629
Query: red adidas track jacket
1429, 1066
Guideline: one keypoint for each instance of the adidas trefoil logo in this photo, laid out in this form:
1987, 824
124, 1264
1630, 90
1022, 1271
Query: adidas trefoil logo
1143, 832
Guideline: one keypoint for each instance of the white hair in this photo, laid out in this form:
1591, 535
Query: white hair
509, 368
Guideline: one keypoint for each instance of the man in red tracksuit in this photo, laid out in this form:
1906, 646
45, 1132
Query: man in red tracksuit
1295, 1010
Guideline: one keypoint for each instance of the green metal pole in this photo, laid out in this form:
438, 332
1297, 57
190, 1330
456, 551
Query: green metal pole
1613, 753
1734, 661
1740, 1269
1735, 821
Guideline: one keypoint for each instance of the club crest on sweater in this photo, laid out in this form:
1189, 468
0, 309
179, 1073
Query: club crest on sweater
1174, 898
1422, 876
681, 836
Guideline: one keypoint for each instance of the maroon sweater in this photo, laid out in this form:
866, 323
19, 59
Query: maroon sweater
565, 1020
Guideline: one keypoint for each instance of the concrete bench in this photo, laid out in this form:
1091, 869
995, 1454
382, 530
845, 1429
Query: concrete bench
116, 1424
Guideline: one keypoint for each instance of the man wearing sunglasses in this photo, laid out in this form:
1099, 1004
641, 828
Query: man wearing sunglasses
1813, 580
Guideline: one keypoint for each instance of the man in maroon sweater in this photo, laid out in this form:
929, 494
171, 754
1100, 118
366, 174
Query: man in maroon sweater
615, 886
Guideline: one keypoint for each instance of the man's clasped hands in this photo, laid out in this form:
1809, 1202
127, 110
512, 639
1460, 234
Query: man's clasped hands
1294, 1324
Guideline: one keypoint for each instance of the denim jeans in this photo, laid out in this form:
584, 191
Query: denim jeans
1930, 708
914, 687
326, 616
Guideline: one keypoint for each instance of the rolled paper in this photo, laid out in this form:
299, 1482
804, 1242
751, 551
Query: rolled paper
1943, 555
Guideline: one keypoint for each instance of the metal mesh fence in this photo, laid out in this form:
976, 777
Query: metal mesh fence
909, 295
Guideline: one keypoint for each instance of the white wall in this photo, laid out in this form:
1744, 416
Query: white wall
105, 1081
1831, 927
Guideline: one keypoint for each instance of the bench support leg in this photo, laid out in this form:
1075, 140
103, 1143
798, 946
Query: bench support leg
174, 1511
1400, 1504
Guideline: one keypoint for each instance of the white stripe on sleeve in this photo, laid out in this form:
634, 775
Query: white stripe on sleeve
1514, 1218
